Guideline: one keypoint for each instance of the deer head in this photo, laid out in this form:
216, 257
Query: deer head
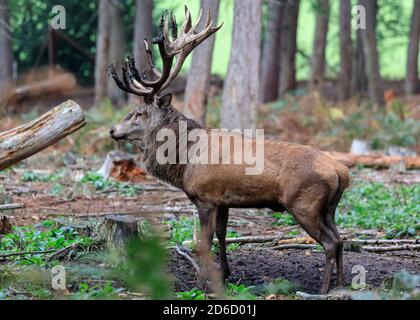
173, 47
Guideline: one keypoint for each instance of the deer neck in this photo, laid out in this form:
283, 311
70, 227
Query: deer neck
171, 173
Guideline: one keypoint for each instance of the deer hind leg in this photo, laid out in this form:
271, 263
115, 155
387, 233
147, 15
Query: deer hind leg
221, 226
329, 221
313, 223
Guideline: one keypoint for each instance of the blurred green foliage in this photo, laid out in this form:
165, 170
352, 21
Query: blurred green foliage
394, 209
41, 237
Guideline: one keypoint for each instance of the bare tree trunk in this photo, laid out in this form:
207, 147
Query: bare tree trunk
320, 43
142, 30
412, 85
198, 80
346, 50
359, 82
117, 47
370, 49
102, 50
288, 47
270, 60
241, 90
6, 55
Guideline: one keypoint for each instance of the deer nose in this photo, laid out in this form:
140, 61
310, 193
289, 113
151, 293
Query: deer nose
112, 131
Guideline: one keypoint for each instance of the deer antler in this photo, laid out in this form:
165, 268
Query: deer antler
171, 47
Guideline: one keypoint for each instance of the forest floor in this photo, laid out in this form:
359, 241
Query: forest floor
380, 205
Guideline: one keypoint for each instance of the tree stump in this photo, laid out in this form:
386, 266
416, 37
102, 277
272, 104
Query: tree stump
5, 225
117, 230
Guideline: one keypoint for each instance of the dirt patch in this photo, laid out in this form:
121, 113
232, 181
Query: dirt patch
258, 267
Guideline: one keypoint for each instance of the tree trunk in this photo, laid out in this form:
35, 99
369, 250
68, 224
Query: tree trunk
370, 50
288, 47
142, 30
198, 80
6, 60
346, 50
412, 85
102, 50
117, 47
270, 62
241, 90
24, 141
320, 43
359, 81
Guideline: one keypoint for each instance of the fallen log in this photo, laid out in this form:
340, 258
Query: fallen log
375, 161
28, 139
11, 206
54, 83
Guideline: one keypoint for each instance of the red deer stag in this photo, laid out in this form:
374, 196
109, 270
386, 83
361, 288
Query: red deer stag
298, 179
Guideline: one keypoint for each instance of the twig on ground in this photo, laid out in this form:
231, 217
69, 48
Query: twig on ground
305, 240
384, 241
12, 206
189, 258
63, 251
56, 252
251, 239
337, 296
294, 246
392, 248
15, 254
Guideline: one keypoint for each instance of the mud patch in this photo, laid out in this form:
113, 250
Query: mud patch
258, 267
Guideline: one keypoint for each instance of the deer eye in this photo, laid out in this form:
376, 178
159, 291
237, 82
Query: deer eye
138, 115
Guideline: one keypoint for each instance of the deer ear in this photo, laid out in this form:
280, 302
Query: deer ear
164, 101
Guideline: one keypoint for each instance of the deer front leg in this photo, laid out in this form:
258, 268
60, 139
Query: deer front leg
207, 215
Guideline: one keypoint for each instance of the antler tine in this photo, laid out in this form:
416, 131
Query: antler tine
197, 22
113, 73
188, 47
186, 26
150, 59
124, 84
166, 29
174, 27
134, 74
177, 46
208, 19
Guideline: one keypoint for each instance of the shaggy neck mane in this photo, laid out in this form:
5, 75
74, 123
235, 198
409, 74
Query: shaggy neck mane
171, 173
